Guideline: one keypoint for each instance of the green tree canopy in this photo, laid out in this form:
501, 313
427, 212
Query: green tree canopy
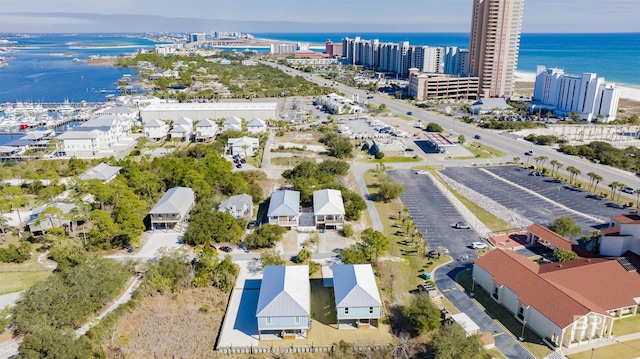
423, 314
565, 226
264, 236
452, 342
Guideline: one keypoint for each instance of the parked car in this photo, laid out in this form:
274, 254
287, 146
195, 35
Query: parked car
477, 137
226, 249
461, 225
528, 153
251, 224
478, 245
410, 113
238, 165
535, 173
409, 149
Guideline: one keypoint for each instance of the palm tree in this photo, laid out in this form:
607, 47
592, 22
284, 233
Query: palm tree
592, 177
597, 178
637, 192
553, 166
516, 160
595, 235
543, 159
613, 185
559, 165
621, 186
573, 173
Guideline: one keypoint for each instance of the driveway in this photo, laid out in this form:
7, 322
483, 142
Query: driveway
155, 242
358, 173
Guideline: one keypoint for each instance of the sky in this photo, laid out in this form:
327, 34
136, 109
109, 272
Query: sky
555, 16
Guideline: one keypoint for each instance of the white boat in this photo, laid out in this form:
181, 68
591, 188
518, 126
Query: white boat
75, 59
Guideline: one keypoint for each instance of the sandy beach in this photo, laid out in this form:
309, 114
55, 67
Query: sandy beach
626, 92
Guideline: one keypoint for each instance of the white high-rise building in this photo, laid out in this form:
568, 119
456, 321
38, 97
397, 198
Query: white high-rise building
587, 95
456, 61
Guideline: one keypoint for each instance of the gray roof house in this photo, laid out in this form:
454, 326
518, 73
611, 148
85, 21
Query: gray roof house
172, 210
205, 130
238, 206
232, 123
284, 208
244, 146
35, 224
156, 130
356, 293
103, 172
328, 207
256, 126
284, 302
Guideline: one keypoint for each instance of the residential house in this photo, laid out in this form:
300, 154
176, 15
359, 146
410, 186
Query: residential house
182, 129
125, 112
156, 130
284, 208
172, 210
102, 171
39, 223
81, 143
284, 302
256, 126
243, 146
33, 140
569, 303
622, 235
232, 123
206, 130
328, 208
238, 206
357, 298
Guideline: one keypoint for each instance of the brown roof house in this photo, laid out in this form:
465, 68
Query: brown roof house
570, 303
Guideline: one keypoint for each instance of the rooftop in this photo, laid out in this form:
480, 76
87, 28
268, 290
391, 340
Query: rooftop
285, 291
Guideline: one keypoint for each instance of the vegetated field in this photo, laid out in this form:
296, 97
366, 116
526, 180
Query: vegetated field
623, 350
184, 324
17, 277
483, 151
397, 159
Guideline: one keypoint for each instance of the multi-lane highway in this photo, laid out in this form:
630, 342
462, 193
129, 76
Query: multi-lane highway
511, 146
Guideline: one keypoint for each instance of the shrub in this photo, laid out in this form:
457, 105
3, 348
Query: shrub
379, 155
347, 230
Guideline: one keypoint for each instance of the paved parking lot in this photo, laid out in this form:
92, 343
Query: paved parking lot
517, 199
434, 214
560, 192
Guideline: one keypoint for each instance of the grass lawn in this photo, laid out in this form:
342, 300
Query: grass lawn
495, 353
627, 326
324, 331
17, 281
397, 159
531, 340
482, 151
492, 222
624, 350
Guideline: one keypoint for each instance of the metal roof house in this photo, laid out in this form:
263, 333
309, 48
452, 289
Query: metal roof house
256, 126
103, 172
328, 208
156, 130
238, 206
35, 224
357, 298
244, 146
232, 123
284, 208
284, 303
172, 210
205, 130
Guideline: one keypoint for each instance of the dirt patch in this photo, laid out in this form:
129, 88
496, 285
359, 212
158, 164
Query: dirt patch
181, 325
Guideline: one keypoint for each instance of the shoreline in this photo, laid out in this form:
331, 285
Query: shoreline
628, 92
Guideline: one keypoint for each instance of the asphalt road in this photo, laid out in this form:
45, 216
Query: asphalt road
434, 214
511, 146
518, 200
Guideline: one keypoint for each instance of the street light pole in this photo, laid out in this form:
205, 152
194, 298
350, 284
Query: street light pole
524, 324
473, 287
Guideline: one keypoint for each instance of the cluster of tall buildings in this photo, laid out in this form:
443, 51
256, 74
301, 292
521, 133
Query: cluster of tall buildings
492, 56
222, 35
397, 58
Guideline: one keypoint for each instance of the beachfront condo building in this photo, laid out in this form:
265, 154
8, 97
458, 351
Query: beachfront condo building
586, 95
494, 43
396, 58
456, 61
424, 86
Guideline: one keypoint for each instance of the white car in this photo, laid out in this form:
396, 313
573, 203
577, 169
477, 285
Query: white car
422, 172
478, 245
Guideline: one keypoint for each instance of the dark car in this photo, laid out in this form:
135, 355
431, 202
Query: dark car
409, 150
477, 137
251, 225
410, 113
238, 165
226, 249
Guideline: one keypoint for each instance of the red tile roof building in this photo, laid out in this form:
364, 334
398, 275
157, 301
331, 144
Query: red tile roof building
568, 303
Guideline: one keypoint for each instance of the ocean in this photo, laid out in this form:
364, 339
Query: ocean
616, 57
43, 70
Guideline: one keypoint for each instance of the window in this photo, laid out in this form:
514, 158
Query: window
495, 292
346, 310
268, 320
370, 310
297, 320
520, 312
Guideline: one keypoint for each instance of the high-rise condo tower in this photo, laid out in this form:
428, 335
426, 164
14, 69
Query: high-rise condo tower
493, 48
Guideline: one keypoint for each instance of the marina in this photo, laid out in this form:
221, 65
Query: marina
18, 117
